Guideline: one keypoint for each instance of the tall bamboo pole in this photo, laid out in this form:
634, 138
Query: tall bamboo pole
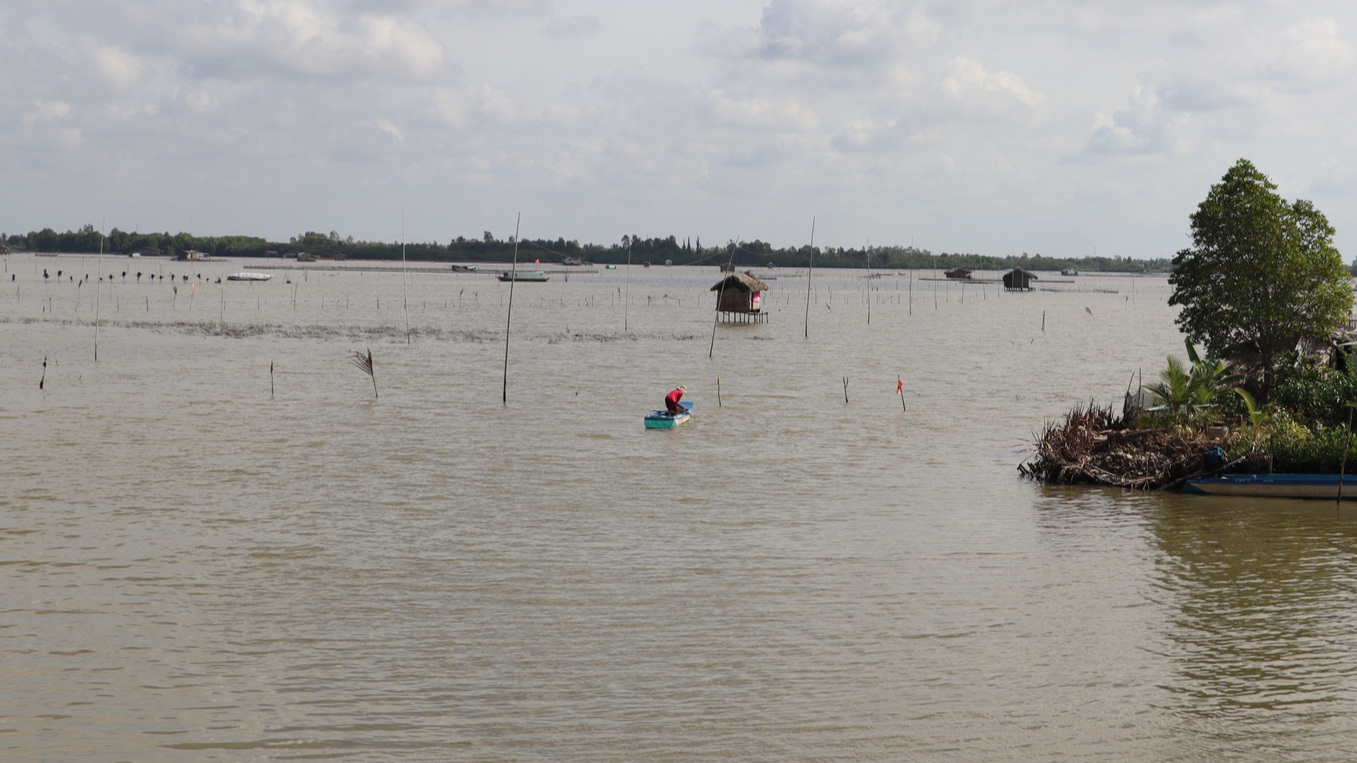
810, 268
720, 295
98, 287
513, 273
405, 280
626, 290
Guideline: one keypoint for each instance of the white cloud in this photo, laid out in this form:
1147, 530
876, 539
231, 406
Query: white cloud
572, 27
457, 7
118, 68
303, 39
466, 107
1140, 128
772, 114
49, 126
390, 129
832, 32
1313, 50
968, 80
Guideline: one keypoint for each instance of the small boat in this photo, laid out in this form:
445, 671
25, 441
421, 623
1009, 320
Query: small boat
1274, 485
662, 419
464, 268
525, 275
610, 267
249, 277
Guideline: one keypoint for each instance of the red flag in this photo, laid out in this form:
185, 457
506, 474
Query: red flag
899, 386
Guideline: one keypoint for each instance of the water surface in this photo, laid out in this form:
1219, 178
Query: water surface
206, 560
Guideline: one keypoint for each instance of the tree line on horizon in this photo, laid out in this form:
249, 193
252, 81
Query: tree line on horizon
487, 248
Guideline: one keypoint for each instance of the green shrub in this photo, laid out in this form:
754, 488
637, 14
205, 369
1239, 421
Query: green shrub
1318, 396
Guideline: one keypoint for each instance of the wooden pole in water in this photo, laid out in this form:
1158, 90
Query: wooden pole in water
270, 378
810, 268
845, 390
718, 386
405, 280
626, 294
508, 319
720, 295
98, 288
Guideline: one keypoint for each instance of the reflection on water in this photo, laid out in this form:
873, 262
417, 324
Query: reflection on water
216, 544
1262, 632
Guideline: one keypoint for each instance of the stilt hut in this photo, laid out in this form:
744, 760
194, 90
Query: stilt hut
1018, 279
960, 273
739, 298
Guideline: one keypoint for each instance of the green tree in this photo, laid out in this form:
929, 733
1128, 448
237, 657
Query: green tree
1261, 273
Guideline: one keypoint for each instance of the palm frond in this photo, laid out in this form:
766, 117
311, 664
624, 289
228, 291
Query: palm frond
364, 364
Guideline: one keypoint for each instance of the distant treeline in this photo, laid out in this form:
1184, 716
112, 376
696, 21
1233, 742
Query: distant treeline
656, 251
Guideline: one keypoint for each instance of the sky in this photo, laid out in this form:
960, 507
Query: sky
1063, 127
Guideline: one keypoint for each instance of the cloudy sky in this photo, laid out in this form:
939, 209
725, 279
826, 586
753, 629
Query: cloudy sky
994, 126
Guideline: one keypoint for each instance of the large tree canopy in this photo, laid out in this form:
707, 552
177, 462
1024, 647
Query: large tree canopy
1261, 273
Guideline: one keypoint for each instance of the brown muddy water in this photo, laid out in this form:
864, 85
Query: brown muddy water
206, 561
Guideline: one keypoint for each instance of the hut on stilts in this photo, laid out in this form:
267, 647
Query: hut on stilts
1018, 279
740, 298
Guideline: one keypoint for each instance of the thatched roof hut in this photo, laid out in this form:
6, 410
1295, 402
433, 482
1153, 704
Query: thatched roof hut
1018, 279
740, 293
957, 273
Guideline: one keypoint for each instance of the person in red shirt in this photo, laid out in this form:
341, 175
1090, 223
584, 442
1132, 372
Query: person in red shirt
671, 400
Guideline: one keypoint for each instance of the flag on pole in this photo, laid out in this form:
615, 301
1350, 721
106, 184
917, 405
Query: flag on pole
899, 386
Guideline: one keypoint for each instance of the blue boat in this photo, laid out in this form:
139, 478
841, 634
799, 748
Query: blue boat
1274, 486
662, 419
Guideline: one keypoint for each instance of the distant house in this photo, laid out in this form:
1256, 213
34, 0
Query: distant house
190, 255
1018, 279
740, 298
957, 273
1069, 272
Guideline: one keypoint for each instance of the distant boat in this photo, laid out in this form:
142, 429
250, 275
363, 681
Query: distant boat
525, 275
1274, 486
1069, 272
662, 419
611, 267
249, 277
464, 268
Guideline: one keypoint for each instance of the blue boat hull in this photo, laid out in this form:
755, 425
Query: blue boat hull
662, 419
1275, 486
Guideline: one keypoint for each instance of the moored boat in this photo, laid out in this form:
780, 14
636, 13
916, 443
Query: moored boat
1274, 485
249, 277
662, 419
525, 275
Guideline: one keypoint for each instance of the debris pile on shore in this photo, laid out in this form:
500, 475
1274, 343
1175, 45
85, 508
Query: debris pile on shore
1094, 445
